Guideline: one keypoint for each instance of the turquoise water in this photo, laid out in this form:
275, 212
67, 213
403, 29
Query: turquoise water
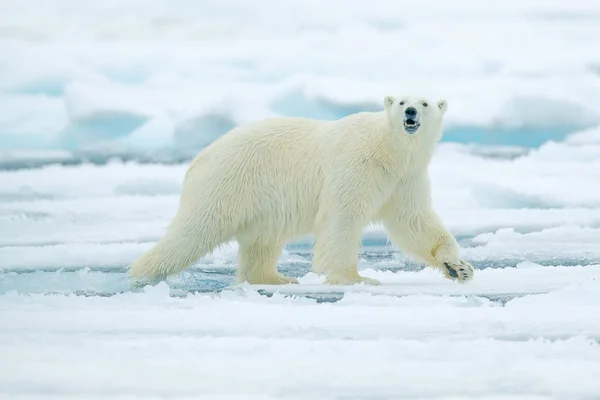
522, 137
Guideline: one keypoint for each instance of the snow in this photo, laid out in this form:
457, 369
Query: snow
104, 103
128, 77
71, 325
244, 344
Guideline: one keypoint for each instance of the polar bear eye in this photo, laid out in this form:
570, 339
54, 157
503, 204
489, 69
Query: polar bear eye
401, 103
424, 104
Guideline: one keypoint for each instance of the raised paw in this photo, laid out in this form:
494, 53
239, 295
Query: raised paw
350, 280
460, 271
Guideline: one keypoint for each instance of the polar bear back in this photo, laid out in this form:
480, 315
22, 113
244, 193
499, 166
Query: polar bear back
270, 175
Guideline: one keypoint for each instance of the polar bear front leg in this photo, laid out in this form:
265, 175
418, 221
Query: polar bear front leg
423, 235
416, 229
336, 250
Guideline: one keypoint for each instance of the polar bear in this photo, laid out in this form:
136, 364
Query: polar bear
268, 182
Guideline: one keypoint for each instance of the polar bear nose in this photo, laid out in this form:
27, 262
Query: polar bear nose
410, 112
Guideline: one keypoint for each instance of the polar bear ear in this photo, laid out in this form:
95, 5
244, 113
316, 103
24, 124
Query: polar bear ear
388, 101
442, 105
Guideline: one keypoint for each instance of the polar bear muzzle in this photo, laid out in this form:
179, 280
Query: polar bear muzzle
411, 120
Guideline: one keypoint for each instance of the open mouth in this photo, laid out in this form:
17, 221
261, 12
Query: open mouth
410, 125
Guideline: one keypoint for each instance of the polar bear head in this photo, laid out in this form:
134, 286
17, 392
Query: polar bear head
413, 115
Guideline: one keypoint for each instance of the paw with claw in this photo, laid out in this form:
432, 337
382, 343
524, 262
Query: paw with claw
460, 271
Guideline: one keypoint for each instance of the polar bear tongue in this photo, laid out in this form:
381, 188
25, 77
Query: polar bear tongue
410, 122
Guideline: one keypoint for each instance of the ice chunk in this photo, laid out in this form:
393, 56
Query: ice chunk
546, 113
195, 133
100, 114
298, 103
101, 126
30, 121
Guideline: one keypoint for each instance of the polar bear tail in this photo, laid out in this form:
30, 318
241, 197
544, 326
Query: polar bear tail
188, 238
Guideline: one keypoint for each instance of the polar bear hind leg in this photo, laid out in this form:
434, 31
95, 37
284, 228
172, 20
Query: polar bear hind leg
190, 236
336, 251
258, 264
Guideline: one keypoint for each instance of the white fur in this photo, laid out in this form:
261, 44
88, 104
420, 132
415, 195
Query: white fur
268, 182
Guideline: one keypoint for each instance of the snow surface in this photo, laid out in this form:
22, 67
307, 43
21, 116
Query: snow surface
70, 324
162, 78
103, 101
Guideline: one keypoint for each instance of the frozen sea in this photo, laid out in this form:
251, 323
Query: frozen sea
103, 104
